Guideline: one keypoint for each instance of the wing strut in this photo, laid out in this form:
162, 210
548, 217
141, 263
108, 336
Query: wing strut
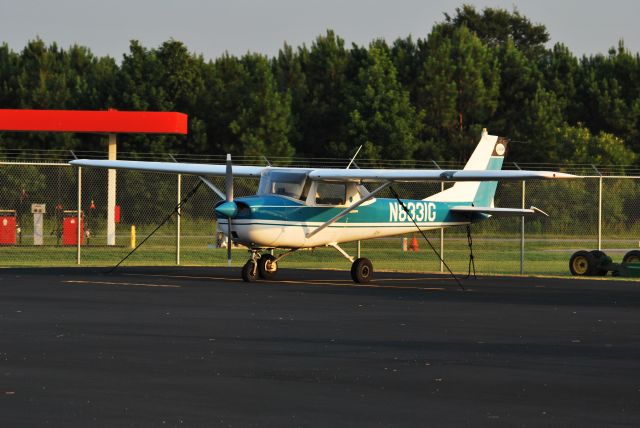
213, 187
209, 184
348, 210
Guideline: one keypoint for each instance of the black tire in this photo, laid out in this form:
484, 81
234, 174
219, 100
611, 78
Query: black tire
267, 266
632, 256
362, 271
249, 271
600, 258
582, 263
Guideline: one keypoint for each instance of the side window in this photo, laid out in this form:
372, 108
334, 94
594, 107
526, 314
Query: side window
287, 189
330, 193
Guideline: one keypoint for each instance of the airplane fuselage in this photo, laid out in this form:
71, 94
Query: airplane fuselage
274, 221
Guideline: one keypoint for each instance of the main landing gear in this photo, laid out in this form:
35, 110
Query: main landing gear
361, 269
265, 266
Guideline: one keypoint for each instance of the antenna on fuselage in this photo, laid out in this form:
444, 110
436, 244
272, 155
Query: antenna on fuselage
354, 156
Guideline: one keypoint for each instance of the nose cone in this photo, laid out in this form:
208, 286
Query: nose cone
227, 209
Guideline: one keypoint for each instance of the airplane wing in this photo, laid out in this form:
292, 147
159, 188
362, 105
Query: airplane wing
172, 167
502, 212
418, 175
329, 174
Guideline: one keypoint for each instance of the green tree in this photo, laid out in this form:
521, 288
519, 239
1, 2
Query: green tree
519, 79
180, 75
458, 89
292, 81
407, 57
165, 79
560, 69
250, 116
609, 94
323, 114
495, 26
579, 145
537, 133
9, 70
140, 81
381, 117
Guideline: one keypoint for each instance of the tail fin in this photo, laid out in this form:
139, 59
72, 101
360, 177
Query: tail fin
488, 155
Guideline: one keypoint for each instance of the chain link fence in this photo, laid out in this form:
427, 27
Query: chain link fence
39, 216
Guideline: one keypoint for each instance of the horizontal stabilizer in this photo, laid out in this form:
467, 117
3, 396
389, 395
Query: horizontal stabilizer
502, 212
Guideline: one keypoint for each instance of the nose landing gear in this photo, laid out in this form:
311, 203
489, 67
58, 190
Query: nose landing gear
263, 266
250, 268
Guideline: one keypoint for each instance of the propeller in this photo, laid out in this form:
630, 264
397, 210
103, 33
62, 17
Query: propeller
228, 209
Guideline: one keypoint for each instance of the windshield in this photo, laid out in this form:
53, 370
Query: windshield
284, 183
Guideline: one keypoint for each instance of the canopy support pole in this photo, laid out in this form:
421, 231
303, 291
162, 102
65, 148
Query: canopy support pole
111, 194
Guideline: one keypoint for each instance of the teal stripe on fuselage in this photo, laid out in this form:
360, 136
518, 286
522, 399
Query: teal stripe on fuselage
382, 210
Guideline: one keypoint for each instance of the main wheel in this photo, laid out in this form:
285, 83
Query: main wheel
362, 271
600, 259
249, 271
582, 263
267, 266
632, 256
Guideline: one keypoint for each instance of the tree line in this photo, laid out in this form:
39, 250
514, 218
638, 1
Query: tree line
424, 98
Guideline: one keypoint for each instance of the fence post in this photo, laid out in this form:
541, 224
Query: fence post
600, 214
599, 207
442, 228
442, 238
79, 216
522, 223
179, 212
524, 184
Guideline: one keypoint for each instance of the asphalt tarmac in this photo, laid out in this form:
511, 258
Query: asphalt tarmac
199, 347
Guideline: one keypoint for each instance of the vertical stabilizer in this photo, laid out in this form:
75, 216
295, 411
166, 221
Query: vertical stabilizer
488, 155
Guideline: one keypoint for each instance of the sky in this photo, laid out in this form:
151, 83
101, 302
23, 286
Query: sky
212, 27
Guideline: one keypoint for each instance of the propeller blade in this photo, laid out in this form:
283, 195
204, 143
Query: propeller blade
229, 242
228, 181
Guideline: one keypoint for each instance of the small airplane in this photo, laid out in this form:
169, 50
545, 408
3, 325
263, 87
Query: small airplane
297, 208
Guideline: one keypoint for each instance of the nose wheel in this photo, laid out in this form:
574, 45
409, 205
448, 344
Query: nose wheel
250, 271
260, 266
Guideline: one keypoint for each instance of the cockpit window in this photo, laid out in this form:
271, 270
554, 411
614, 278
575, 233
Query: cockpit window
291, 184
330, 193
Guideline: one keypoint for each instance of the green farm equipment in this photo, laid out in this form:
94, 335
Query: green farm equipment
597, 263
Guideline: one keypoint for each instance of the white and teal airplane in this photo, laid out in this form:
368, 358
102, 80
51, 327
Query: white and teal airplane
316, 207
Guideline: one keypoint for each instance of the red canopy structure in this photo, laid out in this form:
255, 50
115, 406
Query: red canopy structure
110, 122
